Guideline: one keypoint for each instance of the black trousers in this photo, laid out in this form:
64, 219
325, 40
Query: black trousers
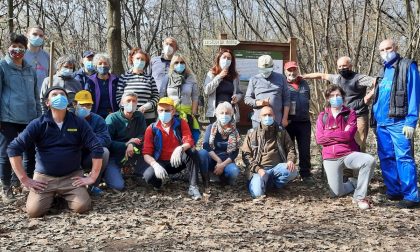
301, 132
8, 132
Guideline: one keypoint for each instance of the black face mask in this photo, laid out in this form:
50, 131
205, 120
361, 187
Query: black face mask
345, 73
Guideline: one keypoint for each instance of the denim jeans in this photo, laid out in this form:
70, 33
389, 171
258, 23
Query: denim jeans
207, 164
276, 176
114, 178
8, 132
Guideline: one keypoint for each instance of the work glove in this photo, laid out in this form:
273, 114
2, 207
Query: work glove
408, 132
160, 172
176, 158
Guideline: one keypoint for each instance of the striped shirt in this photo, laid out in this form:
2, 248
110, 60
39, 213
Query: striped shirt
144, 86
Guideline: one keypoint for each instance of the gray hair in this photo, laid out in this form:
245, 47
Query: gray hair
66, 59
101, 56
223, 106
131, 94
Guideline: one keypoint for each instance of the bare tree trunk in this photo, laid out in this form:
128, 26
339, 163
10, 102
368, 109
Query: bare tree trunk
114, 35
10, 15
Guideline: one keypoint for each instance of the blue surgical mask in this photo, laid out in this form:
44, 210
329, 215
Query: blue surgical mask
388, 56
265, 72
66, 72
224, 63
179, 68
59, 102
129, 107
336, 101
139, 64
89, 66
224, 119
36, 41
267, 120
103, 70
82, 112
165, 117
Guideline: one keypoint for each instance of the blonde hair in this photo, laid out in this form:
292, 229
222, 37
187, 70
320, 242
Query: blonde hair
174, 58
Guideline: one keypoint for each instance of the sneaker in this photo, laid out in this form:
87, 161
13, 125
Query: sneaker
194, 192
394, 197
7, 195
408, 204
96, 191
362, 203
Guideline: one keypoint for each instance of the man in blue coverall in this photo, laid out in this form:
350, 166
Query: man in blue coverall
396, 110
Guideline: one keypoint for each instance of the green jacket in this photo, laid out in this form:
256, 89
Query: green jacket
121, 130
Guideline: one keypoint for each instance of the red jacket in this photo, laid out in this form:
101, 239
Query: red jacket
335, 140
169, 141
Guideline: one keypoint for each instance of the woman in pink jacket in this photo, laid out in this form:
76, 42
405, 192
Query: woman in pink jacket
335, 130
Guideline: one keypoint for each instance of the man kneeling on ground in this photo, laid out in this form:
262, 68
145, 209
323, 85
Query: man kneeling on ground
167, 148
269, 155
59, 137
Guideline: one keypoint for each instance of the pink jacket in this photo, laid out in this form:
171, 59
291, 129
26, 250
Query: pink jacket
335, 140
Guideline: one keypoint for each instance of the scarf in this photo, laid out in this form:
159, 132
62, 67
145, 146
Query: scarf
176, 79
231, 133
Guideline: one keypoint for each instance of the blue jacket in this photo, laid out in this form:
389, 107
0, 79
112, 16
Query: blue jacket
58, 152
92, 86
220, 145
99, 127
82, 77
19, 95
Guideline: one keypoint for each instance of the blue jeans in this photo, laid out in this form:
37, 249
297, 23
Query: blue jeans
207, 164
397, 162
277, 177
114, 178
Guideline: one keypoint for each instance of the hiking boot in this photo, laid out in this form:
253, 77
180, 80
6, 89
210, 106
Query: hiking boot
308, 180
394, 197
7, 195
362, 203
96, 191
408, 204
194, 192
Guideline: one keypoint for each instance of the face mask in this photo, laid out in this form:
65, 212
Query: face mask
165, 117
66, 72
36, 41
168, 50
224, 119
179, 68
388, 56
291, 76
267, 120
82, 112
129, 107
89, 66
103, 70
345, 73
265, 72
139, 64
336, 102
59, 102
16, 53
224, 63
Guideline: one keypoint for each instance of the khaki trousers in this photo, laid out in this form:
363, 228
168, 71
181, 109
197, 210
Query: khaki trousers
77, 198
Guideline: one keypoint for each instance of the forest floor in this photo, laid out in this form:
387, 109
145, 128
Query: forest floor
298, 217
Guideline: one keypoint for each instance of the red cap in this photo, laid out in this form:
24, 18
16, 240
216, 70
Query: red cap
290, 64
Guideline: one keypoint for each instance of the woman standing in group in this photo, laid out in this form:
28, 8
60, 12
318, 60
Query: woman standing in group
181, 85
103, 86
222, 84
137, 81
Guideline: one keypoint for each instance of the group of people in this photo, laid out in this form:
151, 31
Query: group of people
90, 121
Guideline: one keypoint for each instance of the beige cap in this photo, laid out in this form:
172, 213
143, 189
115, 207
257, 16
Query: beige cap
265, 61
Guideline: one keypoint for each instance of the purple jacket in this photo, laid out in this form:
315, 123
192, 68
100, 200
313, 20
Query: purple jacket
92, 86
336, 141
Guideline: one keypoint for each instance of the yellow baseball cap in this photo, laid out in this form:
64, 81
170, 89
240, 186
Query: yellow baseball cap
83, 97
166, 100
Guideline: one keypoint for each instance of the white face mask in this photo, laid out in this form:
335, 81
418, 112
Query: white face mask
265, 72
168, 50
388, 56
224, 63
291, 76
